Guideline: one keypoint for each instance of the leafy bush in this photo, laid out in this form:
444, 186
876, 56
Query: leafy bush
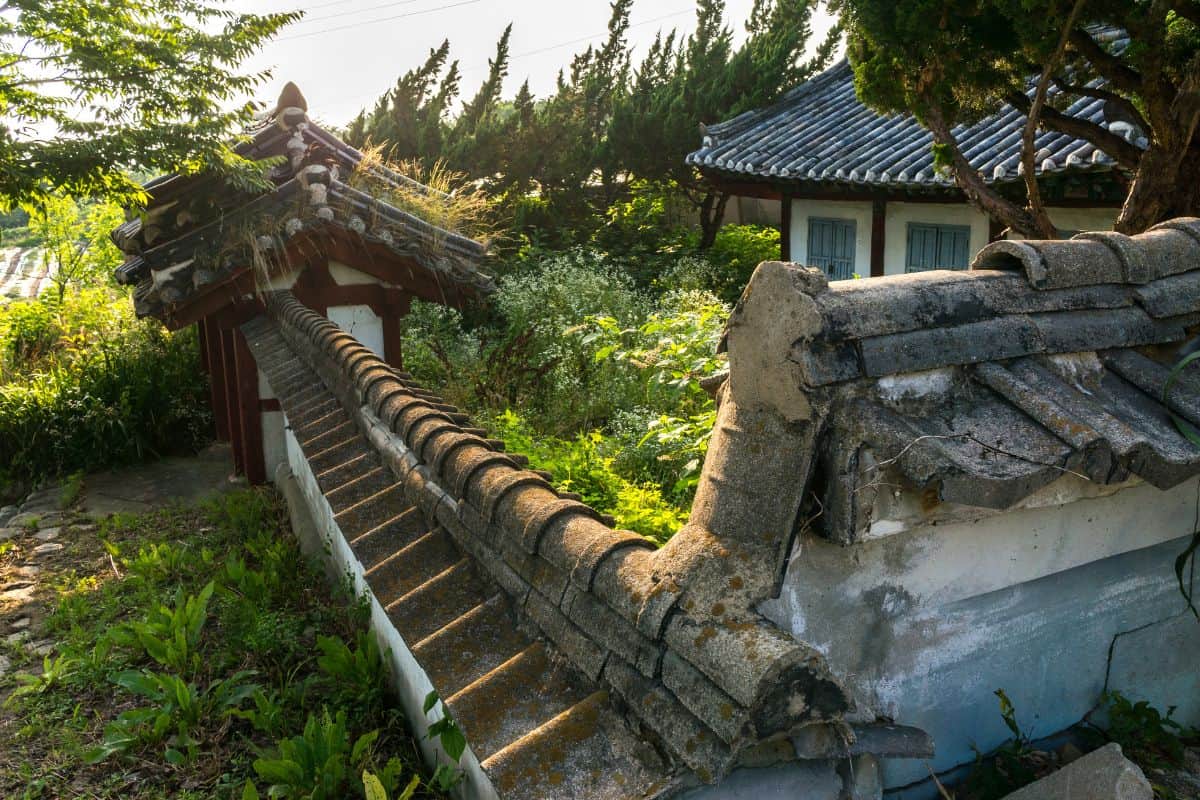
88, 386
579, 465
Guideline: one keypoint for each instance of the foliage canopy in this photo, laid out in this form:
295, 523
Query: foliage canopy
951, 61
91, 89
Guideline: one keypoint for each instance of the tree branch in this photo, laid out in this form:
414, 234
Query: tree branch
978, 192
1118, 73
1029, 135
1106, 95
1125, 153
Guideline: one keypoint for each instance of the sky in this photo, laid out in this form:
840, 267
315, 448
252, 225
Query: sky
345, 53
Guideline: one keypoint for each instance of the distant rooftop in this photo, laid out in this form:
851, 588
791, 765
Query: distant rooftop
820, 132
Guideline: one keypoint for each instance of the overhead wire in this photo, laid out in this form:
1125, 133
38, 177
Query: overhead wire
421, 12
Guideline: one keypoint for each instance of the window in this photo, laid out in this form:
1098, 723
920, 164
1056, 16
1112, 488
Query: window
831, 246
937, 247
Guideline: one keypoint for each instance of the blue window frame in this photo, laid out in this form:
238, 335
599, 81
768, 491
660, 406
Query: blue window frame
831, 246
937, 247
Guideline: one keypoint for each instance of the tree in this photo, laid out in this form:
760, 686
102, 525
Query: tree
90, 89
76, 247
682, 83
951, 62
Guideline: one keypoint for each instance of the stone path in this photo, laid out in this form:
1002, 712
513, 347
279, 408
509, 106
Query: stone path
40, 531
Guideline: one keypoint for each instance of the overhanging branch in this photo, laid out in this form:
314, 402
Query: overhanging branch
1125, 153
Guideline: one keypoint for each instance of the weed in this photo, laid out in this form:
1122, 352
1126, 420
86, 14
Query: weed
170, 635
318, 763
178, 709
452, 740
71, 488
1009, 767
1146, 735
52, 674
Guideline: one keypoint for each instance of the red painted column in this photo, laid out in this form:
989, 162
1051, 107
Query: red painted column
249, 415
228, 358
202, 340
216, 379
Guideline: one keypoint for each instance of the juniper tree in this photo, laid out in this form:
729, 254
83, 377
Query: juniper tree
953, 61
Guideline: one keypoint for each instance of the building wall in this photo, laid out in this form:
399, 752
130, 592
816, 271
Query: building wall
1051, 604
897, 217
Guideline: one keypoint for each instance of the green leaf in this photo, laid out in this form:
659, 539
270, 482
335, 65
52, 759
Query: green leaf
362, 746
372, 788
409, 790
249, 792
173, 756
281, 771
431, 700
453, 742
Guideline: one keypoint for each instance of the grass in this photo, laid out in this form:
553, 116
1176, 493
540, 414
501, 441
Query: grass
191, 653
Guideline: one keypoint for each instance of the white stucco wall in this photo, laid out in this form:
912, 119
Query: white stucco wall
348, 276
361, 323
1047, 603
898, 215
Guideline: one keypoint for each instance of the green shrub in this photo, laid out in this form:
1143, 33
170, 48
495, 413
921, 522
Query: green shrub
88, 386
580, 465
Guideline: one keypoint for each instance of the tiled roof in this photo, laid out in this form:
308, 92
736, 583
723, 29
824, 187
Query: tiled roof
495, 580
820, 132
199, 232
1048, 359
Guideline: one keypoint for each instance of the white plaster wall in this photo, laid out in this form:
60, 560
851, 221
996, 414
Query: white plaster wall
283, 280
926, 624
1083, 219
274, 441
361, 323
348, 276
859, 212
408, 679
752, 211
900, 214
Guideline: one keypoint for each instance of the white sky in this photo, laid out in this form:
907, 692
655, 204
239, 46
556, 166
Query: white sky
345, 53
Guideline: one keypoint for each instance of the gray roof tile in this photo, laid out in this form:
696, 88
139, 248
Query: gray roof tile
820, 132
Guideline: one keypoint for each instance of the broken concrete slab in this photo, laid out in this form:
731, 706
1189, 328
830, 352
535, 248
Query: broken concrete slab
1104, 774
4, 665
18, 594
9, 533
7, 513
47, 534
48, 547
43, 501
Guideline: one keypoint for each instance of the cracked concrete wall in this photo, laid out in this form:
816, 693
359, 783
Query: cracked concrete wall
926, 624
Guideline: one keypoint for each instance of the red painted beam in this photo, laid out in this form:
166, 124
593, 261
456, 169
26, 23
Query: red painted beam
216, 380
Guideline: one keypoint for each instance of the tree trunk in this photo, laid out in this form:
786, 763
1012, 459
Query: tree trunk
978, 192
1166, 186
712, 213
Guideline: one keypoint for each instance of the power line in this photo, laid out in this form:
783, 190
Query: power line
376, 21
306, 20
547, 49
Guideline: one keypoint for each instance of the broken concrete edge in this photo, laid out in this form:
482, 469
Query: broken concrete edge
613, 606
314, 525
1103, 774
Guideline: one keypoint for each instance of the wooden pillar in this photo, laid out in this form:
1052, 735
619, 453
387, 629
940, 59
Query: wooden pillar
216, 380
878, 235
785, 227
249, 415
202, 340
390, 320
229, 360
